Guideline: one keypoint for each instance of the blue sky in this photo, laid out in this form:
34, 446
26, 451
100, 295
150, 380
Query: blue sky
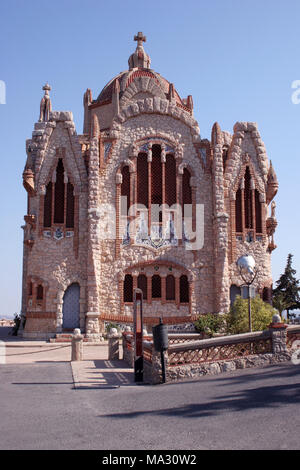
237, 59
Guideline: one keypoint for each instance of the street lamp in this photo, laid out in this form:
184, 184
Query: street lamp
248, 272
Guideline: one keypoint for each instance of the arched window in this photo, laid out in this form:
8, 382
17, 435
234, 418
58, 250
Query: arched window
156, 287
248, 208
142, 284
155, 183
170, 287
156, 176
184, 289
128, 288
234, 291
59, 201
248, 200
170, 180
142, 179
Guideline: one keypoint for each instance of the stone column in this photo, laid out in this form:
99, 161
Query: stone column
153, 370
59, 310
119, 235
220, 225
113, 345
92, 327
278, 335
93, 255
77, 346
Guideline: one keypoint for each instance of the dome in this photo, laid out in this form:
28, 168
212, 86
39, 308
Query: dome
146, 81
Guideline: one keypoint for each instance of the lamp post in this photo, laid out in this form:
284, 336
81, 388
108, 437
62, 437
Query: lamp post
248, 272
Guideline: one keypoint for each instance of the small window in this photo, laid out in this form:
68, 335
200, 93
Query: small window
128, 288
156, 287
48, 206
70, 206
142, 284
170, 287
40, 292
184, 289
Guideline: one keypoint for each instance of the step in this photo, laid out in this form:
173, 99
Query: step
64, 339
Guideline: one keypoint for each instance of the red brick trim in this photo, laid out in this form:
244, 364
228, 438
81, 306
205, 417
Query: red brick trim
149, 320
98, 104
41, 315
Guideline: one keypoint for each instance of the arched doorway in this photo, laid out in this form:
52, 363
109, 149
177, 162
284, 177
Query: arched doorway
234, 291
71, 307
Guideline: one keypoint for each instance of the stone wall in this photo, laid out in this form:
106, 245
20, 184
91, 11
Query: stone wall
190, 368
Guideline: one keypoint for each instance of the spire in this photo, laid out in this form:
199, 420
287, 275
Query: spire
139, 58
45, 106
95, 131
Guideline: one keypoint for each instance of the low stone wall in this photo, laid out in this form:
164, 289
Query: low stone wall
194, 359
193, 371
6, 323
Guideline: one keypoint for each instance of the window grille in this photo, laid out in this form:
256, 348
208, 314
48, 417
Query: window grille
40, 292
142, 284
184, 289
48, 206
128, 288
70, 206
238, 211
170, 180
156, 287
170, 287
59, 202
142, 179
156, 175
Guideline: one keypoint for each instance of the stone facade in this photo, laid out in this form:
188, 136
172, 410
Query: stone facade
140, 141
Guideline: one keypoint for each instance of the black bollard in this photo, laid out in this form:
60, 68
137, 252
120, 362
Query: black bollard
160, 339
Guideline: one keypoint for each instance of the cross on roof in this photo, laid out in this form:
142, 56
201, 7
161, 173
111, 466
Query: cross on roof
140, 38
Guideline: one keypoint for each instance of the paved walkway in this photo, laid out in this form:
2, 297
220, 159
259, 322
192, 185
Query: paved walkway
95, 371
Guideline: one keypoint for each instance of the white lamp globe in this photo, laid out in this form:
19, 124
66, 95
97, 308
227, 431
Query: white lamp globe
246, 264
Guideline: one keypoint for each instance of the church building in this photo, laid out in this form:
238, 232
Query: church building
140, 200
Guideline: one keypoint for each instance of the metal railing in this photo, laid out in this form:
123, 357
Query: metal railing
222, 348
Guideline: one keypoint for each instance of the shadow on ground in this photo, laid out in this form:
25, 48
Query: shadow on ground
252, 397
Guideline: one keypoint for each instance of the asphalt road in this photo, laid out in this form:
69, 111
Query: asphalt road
248, 409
